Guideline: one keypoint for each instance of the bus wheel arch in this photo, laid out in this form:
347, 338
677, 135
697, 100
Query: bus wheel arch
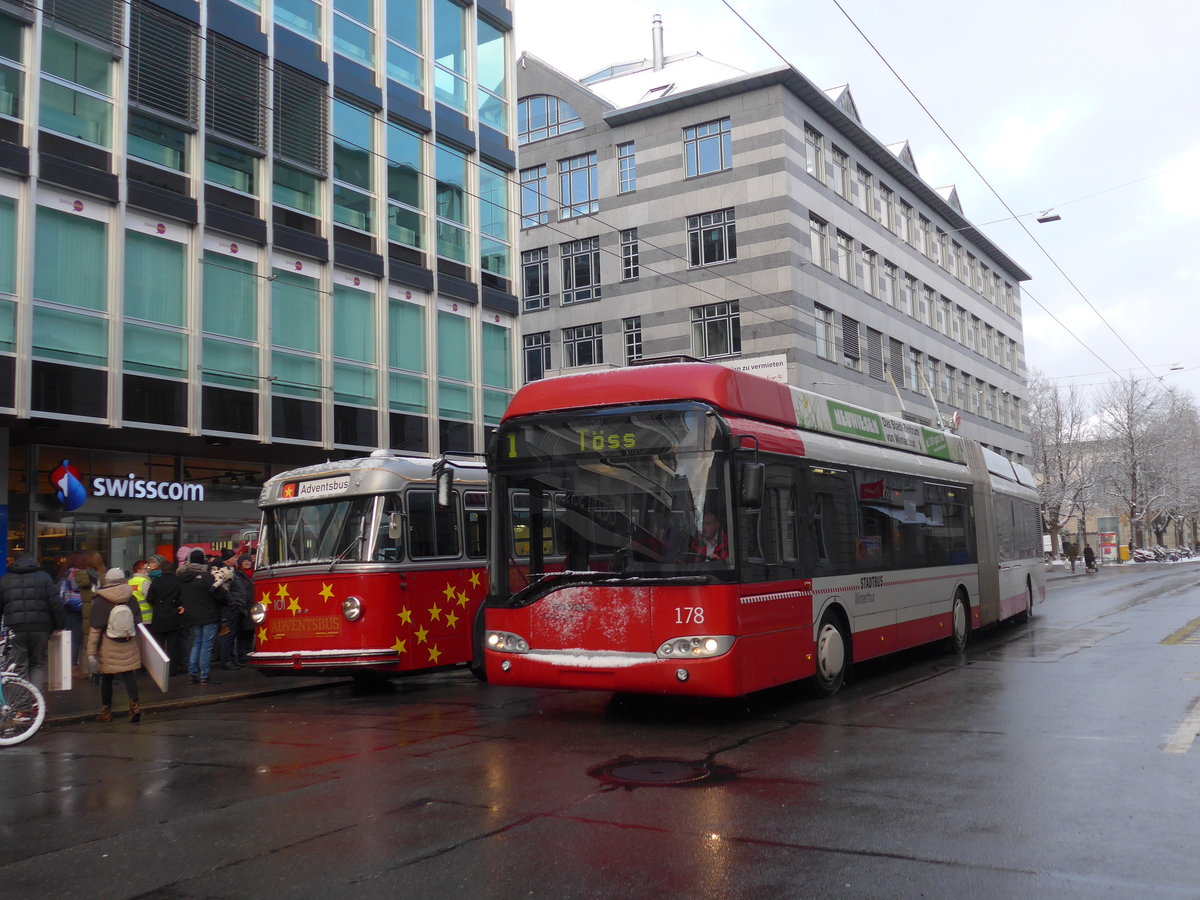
1027, 613
960, 621
833, 652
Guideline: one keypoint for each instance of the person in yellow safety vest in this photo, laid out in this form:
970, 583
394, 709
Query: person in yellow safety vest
140, 582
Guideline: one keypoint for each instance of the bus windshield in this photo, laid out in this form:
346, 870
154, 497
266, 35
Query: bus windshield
639, 493
308, 533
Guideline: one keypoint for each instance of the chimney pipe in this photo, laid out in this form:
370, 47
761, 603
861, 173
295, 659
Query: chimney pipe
658, 42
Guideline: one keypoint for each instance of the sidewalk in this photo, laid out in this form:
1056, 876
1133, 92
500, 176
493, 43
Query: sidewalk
82, 702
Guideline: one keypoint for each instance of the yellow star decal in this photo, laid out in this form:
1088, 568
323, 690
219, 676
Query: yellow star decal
405, 616
474, 579
448, 593
266, 598
451, 619
282, 592
399, 646
326, 591
294, 606
262, 635
435, 613
434, 653
463, 599
421, 634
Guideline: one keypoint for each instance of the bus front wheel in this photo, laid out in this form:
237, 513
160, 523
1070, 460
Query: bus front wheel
833, 653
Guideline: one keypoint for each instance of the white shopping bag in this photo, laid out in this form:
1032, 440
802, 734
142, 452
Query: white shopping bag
154, 661
58, 662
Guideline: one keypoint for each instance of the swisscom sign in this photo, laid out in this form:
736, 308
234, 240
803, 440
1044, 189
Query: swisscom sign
71, 493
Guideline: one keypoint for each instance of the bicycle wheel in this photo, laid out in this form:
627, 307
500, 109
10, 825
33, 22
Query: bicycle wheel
22, 710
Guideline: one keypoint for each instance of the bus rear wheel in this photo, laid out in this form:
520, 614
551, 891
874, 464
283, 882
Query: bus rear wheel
1026, 614
960, 624
833, 652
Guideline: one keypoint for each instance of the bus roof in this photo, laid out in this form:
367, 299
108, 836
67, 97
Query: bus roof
381, 472
735, 392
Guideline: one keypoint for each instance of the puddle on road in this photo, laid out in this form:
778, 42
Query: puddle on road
1045, 644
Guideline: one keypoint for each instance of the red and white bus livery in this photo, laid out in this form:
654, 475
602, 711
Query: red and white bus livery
361, 570
686, 528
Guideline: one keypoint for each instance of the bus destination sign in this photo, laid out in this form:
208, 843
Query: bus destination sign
314, 489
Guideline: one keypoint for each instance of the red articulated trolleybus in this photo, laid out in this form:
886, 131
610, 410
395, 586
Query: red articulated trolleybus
686, 528
362, 571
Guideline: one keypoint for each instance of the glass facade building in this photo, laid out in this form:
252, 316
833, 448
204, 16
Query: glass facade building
264, 233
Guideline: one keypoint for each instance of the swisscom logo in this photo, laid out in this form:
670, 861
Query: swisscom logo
71, 492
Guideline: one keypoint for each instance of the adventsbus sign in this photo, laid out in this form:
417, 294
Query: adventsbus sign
822, 414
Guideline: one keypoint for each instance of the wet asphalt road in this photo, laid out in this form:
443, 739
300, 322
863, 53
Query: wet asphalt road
1051, 760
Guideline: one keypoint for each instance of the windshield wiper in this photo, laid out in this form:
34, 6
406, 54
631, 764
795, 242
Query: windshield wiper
340, 557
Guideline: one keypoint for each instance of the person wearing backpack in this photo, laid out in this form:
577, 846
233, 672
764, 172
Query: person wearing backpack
112, 642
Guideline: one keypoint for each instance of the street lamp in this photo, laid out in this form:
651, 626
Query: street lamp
1048, 215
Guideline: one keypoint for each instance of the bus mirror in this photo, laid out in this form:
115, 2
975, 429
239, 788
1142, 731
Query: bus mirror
445, 482
752, 484
395, 526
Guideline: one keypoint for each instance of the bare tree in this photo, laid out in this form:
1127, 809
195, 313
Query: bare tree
1131, 417
1179, 422
1060, 432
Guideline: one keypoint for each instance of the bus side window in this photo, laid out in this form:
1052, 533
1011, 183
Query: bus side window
475, 518
432, 529
387, 548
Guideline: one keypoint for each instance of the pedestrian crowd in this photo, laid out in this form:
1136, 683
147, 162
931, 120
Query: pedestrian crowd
196, 607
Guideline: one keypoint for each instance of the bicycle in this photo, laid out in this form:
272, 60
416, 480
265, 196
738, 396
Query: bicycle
22, 704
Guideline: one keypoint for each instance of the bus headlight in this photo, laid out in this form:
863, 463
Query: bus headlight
506, 642
696, 646
352, 609
258, 612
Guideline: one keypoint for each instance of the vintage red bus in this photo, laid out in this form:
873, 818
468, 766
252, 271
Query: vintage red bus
687, 528
362, 571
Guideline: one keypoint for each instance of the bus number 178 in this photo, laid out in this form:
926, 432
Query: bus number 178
685, 615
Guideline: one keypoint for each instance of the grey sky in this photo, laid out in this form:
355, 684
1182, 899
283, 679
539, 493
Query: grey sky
1089, 108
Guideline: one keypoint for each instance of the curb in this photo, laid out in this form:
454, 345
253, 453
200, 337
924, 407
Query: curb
77, 718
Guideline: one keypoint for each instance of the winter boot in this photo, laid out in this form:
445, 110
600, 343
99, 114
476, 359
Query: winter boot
135, 711
105, 714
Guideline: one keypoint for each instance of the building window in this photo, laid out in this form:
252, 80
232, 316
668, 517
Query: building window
450, 54
717, 329
813, 160
875, 353
490, 72
405, 187
904, 222
303, 16
535, 201
845, 260
864, 191
707, 148
581, 270
908, 292
354, 31
823, 331
912, 370
712, 238
542, 116
886, 207
632, 328
626, 168
577, 186
164, 59
869, 272
76, 90
925, 242
887, 283
12, 72
404, 62
453, 238
353, 165
535, 272
851, 354
495, 244
838, 171
583, 345
537, 355
629, 255
818, 238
